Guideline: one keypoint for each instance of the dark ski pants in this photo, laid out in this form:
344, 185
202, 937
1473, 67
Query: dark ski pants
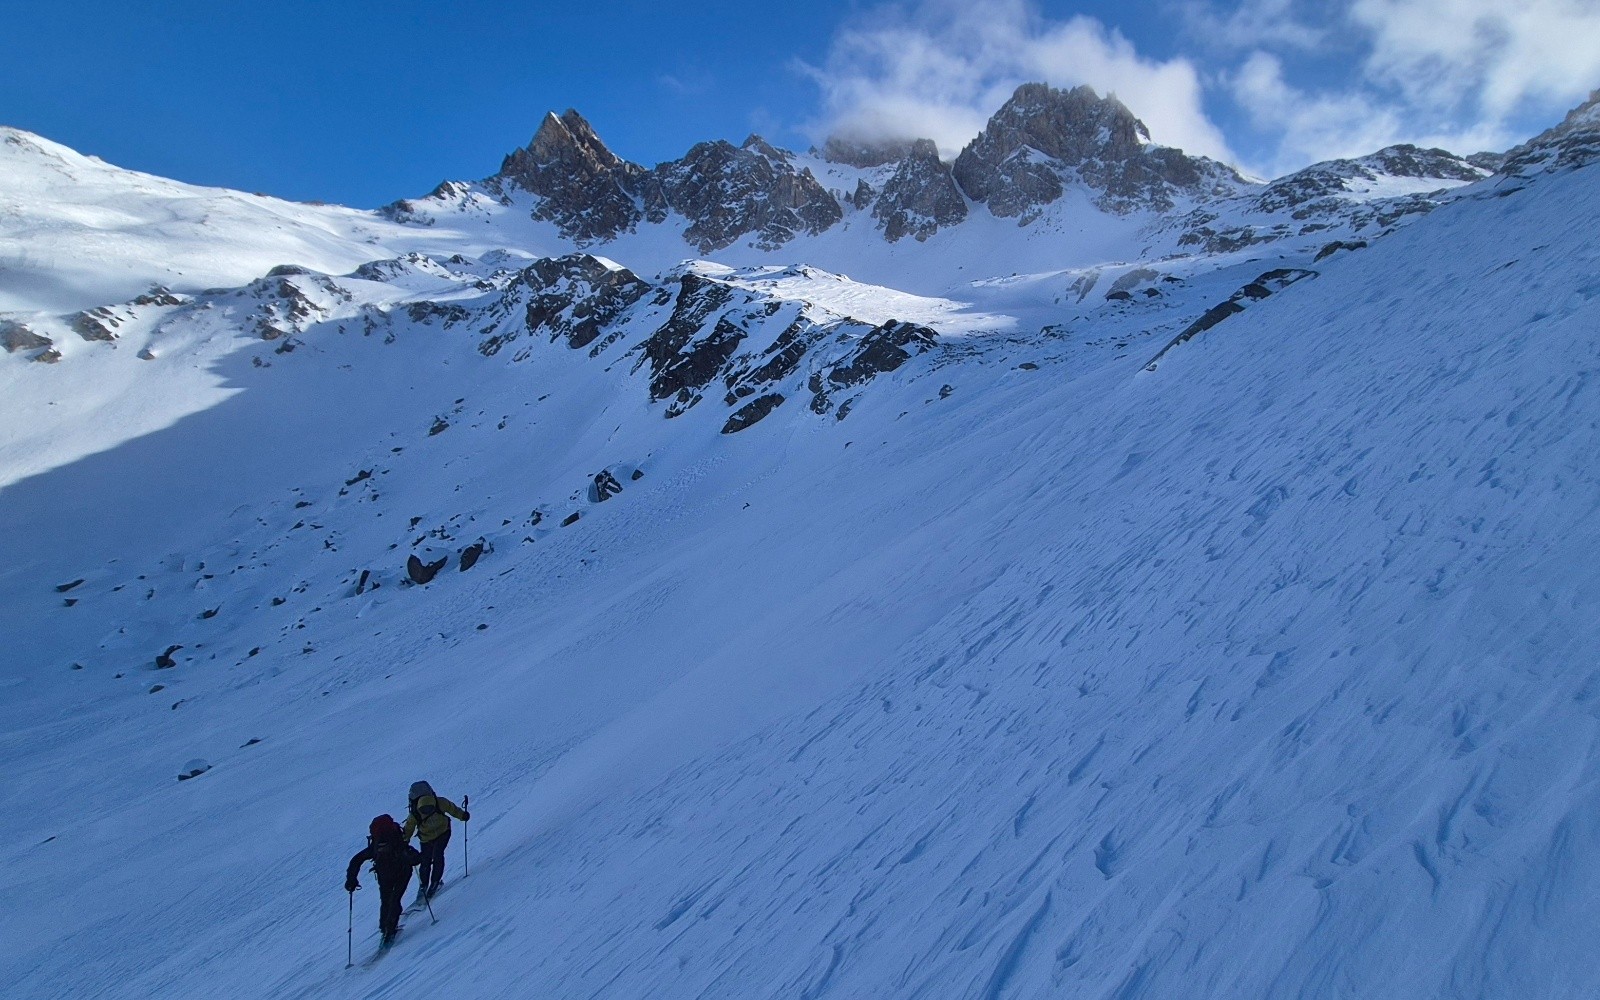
391, 900
432, 871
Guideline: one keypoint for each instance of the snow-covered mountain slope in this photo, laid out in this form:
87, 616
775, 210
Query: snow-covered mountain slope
1265, 670
76, 232
1058, 179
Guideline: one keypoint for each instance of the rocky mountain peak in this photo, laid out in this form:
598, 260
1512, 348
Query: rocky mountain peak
582, 183
756, 144
1044, 138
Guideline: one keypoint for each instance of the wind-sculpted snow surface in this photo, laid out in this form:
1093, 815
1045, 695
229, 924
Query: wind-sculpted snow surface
1267, 673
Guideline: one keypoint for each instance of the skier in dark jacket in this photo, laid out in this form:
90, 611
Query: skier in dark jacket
428, 816
392, 858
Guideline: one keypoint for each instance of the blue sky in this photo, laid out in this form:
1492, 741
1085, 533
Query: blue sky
362, 104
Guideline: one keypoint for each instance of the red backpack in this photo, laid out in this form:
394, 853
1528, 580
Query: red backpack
384, 829
389, 845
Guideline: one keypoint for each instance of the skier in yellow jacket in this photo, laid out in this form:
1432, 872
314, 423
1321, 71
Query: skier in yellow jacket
429, 819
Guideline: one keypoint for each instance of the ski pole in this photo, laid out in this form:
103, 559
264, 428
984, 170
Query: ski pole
429, 904
349, 930
466, 867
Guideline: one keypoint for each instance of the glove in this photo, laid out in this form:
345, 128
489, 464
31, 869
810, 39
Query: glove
351, 885
465, 815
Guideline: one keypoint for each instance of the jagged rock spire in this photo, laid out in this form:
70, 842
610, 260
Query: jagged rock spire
583, 184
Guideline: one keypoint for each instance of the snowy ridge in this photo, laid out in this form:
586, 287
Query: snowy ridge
1031, 672
76, 232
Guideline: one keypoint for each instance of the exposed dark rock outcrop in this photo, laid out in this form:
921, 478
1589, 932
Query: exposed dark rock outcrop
1267, 284
1310, 190
752, 412
880, 350
683, 356
15, 337
921, 196
574, 298
604, 487
98, 324
159, 295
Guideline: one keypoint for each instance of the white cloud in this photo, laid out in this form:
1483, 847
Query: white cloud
1251, 24
940, 69
1486, 58
1308, 127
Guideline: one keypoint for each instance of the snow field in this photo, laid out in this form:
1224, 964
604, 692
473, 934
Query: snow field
1267, 673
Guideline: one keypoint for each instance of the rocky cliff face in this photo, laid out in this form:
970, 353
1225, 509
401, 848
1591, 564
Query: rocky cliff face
724, 191
920, 197
728, 191
1573, 143
1043, 139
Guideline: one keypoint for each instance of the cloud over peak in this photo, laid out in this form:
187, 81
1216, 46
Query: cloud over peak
940, 69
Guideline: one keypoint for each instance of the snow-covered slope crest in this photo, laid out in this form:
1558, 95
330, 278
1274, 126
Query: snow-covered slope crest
76, 232
1267, 673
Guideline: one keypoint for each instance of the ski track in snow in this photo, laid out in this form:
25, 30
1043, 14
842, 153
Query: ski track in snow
1266, 673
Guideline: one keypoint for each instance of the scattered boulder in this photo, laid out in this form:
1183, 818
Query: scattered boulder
164, 661
472, 553
422, 572
605, 487
158, 295
62, 588
194, 769
440, 425
571, 519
